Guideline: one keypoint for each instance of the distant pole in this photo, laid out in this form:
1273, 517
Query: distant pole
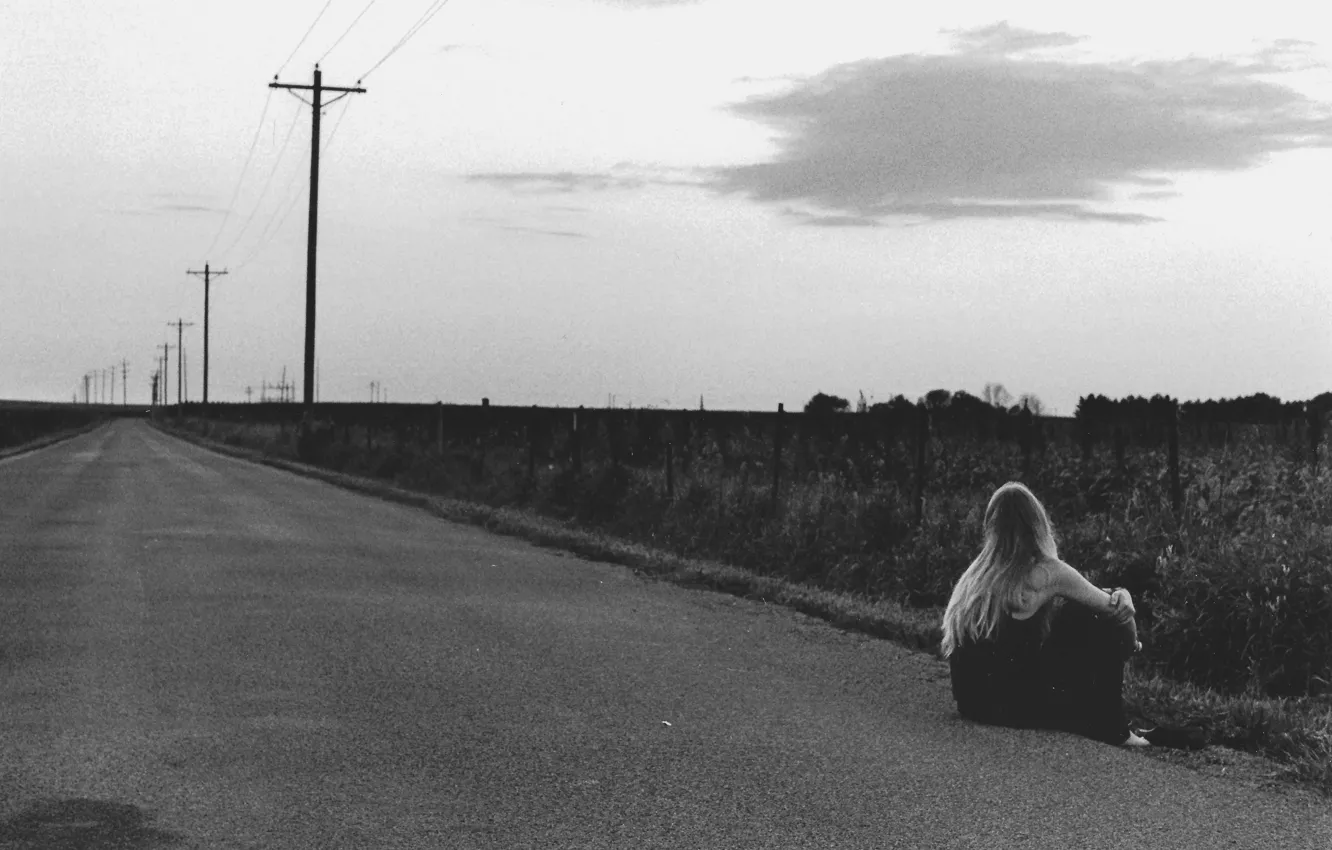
166, 373
180, 325
124, 382
317, 92
207, 274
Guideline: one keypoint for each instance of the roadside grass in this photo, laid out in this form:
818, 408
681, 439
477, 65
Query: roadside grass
48, 439
1294, 732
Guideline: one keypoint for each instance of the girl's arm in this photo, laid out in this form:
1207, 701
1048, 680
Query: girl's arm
1070, 584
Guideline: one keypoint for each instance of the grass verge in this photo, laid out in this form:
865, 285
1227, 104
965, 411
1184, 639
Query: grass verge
48, 440
1288, 740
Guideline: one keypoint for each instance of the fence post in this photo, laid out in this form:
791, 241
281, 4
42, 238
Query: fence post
576, 437
439, 427
670, 470
481, 440
1315, 434
531, 445
922, 439
613, 437
1024, 439
777, 457
1176, 496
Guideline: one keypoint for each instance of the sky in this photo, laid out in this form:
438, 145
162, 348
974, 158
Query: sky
651, 203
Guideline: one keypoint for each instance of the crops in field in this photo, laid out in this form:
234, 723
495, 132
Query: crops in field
23, 422
1232, 573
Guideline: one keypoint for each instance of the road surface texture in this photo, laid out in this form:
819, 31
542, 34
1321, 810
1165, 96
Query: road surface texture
201, 652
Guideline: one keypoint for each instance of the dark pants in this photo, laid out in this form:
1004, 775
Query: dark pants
1073, 680
1082, 672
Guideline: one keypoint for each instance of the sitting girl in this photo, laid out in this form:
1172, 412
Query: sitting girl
1019, 656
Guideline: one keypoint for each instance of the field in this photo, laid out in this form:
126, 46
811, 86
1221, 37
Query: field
1233, 586
22, 423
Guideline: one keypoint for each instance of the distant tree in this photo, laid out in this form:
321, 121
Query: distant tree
897, 402
862, 406
937, 399
996, 396
1030, 402
964, 403
822, 403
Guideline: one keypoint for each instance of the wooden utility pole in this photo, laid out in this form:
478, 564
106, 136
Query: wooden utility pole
317, 104
124, 382
180, 325
207, 274
166, 373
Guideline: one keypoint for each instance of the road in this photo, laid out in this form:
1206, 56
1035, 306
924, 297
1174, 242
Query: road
201, 652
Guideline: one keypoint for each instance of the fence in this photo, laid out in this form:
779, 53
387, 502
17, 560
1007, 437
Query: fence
900, 439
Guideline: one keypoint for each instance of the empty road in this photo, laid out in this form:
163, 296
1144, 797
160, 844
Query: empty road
200, 652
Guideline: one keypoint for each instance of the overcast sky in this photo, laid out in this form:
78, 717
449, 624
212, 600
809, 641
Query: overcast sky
745, 200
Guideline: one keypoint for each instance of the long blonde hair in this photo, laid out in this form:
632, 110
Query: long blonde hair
1018, 534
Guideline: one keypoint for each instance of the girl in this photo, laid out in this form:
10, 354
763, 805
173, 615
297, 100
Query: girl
1019, 656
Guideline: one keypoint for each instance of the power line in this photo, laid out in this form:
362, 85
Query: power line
426, 16
347, 30
246, 167
291, 205
295, 116
303, 38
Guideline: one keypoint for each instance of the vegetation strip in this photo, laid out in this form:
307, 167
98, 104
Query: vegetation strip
48, 440
1295, 734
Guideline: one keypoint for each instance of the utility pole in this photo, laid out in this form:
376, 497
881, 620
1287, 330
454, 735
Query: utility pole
85, 387
317, 90
249, 394
156, 377
166, 373
180, 325
124, 382
207, 274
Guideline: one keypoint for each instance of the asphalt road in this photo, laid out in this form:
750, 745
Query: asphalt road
200, 652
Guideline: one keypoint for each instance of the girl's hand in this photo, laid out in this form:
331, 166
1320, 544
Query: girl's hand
1125, 601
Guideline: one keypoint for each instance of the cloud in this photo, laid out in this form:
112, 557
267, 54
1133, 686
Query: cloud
1000, 39
649, 4
501, 223
622, 175
556, 181
989, 131
541, 231
165, 209
1155, 195
188, 208
835, 220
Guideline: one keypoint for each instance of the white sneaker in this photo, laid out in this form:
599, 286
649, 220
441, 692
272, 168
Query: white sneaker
1136, 740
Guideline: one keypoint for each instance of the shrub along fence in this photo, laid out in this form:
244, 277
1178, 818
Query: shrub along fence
898, 443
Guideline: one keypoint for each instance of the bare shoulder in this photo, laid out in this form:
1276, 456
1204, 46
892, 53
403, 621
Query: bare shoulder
1040, 585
